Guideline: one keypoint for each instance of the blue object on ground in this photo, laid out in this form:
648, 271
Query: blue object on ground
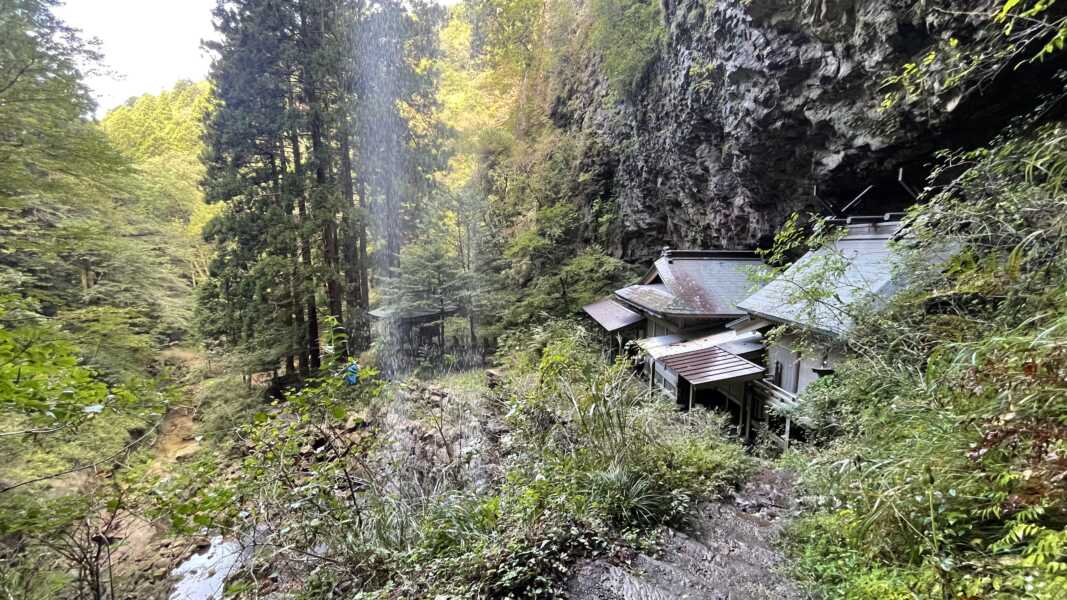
351, 374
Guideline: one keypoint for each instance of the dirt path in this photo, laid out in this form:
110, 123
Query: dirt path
728, 554
146, 556
176, 439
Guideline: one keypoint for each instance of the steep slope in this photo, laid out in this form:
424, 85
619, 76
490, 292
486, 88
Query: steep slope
727, 552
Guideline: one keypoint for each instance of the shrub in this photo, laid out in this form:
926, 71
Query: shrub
697, 466
460, 523
946, 478
628, 498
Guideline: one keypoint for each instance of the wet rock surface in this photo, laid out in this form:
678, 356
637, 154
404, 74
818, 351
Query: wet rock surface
149, 572
728, 553
202, 576
757, 108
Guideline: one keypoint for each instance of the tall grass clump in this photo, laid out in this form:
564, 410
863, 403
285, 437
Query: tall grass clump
594, 451
947, 476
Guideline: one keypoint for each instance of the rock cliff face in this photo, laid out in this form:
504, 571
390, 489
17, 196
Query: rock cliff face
758, 108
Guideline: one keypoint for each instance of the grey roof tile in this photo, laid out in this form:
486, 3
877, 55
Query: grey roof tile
654, 297
611, 315
826, 286
696, 284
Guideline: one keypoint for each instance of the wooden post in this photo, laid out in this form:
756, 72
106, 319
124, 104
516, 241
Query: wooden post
746, 414
691, 388
651, 376
750, 403
787, 432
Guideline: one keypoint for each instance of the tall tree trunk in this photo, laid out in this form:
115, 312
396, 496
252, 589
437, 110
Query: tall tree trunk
279, 195
350, 247
299, 325
298, 331
470, 322
329, 224
312, 320
441, 328
323, 205
364, 274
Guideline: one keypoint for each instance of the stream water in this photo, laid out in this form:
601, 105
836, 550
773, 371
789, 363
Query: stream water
202, 576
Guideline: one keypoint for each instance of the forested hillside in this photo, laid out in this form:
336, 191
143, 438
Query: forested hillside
313, 327
95, 279
101, 254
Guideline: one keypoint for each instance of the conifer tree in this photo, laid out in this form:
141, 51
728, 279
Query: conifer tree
324, 114
264, 230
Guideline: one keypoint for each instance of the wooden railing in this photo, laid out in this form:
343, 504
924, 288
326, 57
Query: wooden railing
779, 399
774, 395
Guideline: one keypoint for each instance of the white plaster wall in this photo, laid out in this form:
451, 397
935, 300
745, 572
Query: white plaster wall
780, 353
793, 379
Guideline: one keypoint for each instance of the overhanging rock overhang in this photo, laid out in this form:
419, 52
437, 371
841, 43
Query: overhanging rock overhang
611, 315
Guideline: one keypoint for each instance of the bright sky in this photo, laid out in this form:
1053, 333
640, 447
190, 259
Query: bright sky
149, 44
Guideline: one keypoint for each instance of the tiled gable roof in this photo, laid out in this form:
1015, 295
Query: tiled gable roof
826, 286
695, 284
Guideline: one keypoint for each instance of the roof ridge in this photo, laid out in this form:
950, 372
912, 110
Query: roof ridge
696, 253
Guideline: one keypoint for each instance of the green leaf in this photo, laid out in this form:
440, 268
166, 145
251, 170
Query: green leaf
338, 412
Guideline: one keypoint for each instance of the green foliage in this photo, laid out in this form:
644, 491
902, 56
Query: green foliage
704, 76
39, 374
551, 257
1020, 14
628, 498
72, 224
53, 539
275, 437
320, 107
594, 466
506, 30
89, 240
627, 35
163, 136
544, 215
69, 272
42, 102
945, 478
1023, 31
167, 125
580, 280
430, 277
92, 286
603, 456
